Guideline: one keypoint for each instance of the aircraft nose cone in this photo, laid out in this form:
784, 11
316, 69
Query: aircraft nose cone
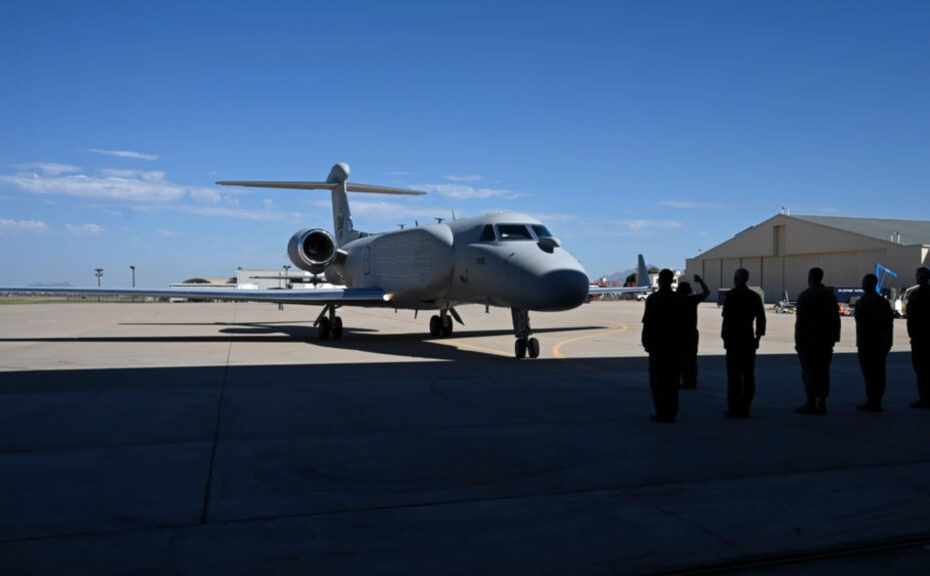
568, 288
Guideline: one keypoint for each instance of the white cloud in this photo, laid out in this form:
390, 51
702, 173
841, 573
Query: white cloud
464, 178
124, 154
643, 227
688, 204
241, 213
397, 213
554, 218
206, 195
144, 187
84, 230
463, 192
49, 168
169, 233
22, 227
122, 185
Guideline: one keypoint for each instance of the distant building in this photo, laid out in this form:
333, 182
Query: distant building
779, 252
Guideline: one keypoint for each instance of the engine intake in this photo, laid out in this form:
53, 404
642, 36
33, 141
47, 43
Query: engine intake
312, 249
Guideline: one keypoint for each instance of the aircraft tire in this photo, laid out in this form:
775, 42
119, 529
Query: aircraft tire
532, 347
447, 326
325, 328
519, 348
435, 326
337, 328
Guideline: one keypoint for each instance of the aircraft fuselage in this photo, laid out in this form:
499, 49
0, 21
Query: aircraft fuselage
506, 259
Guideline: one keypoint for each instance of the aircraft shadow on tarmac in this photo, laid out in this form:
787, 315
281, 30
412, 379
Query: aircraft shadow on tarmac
417, 345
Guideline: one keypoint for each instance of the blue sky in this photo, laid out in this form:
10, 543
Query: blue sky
656, 127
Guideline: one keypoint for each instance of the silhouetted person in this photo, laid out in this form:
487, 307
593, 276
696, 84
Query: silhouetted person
918, 329
874, 330
690, 333
662, 339
816, 330
741, 309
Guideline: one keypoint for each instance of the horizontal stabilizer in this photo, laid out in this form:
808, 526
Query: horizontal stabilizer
319, 186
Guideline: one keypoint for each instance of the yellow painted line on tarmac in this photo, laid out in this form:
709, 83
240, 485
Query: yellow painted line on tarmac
481, 349
557, 349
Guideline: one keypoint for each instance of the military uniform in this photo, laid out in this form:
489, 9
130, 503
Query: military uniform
874, 330
741, 308
816, 330
662, 339
918, 329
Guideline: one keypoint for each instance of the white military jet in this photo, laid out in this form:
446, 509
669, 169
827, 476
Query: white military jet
506, 259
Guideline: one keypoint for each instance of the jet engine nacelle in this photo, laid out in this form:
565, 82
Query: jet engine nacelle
312, 249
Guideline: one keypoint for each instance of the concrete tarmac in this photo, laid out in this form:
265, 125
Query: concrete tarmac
226, 438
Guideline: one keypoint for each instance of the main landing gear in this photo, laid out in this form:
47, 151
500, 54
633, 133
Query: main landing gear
521, 328
329, 323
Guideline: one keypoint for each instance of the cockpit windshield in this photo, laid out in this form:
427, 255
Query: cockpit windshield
506, 232
541, 231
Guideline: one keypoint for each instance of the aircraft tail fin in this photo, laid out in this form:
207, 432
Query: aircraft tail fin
337, 183
642, 273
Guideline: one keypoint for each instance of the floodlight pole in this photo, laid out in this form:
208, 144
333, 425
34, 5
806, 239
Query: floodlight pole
133, 268
99, 273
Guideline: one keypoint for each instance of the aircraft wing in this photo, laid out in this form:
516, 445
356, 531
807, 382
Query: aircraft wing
348, 296
618, 289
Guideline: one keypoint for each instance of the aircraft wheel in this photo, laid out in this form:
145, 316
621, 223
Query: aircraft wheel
325, 328
435, 327
532, 346
337, 328
447, 326
519, 348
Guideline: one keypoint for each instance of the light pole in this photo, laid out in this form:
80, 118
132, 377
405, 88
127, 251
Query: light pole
133, 268
99, 273
286, 268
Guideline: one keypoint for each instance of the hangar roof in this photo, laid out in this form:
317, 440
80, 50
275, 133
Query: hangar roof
911, 231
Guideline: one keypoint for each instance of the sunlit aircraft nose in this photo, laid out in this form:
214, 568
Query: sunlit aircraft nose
564, 289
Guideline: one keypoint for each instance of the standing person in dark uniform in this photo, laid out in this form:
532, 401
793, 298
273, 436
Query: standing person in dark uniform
691, 336
874, 330
918, 329
816, 330
741, 308
662, 339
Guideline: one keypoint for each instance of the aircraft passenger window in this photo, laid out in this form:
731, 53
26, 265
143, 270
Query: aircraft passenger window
541, 231
513, 232
487, 234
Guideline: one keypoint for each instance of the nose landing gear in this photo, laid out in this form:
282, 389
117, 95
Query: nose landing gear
440, 325
521, 328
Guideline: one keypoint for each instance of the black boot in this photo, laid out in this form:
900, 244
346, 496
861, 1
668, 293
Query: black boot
821, 406
809, 407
